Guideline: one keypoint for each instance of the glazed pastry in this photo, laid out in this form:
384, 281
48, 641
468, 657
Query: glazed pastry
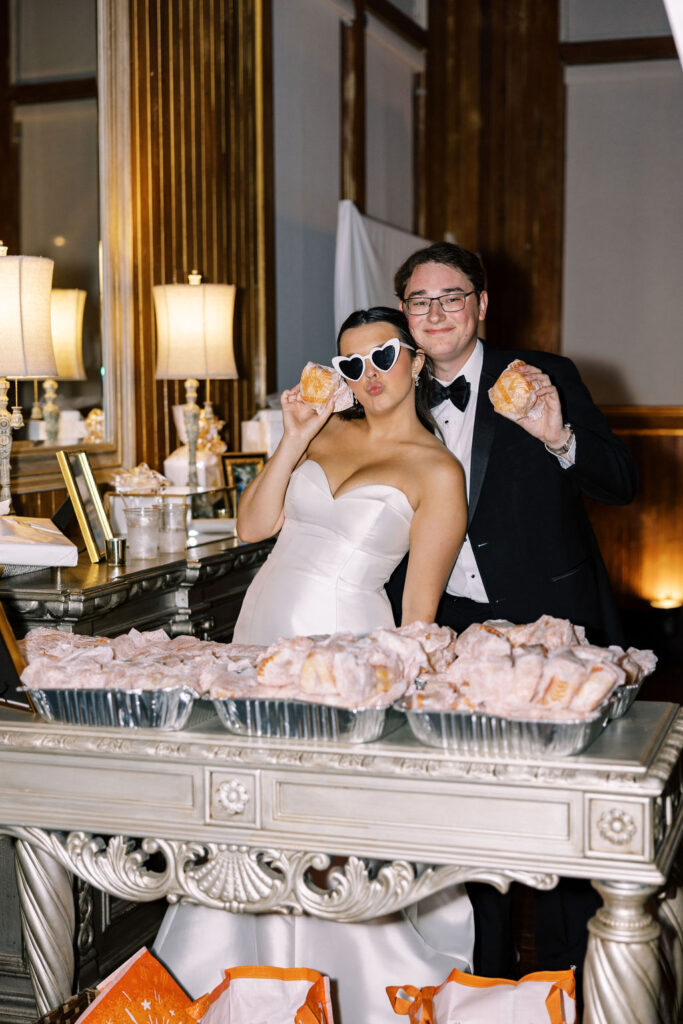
317, 383
320, 383
513, 395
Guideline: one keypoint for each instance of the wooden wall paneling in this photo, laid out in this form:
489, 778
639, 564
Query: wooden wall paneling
420, 158
642, 543
202, 190
496, 171
250, 214
523, 173
352, 149
454, 83
9, 156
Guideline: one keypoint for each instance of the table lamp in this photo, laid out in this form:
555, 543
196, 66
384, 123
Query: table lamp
194, 341
25, 339
66, 317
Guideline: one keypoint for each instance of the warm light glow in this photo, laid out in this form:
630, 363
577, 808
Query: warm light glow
25, 335
67, 332
667, 602
59, 241
194, 331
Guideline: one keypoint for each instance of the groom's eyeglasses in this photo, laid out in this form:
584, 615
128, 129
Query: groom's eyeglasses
382, 357
420, 305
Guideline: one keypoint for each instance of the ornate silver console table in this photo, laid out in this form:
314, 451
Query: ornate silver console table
240, 822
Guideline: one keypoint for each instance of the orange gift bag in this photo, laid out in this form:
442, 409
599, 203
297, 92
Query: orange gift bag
547, 997
140, 990
267, 995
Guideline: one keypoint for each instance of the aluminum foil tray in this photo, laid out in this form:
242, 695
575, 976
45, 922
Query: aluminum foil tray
260, 716
622, 698
129, 709
484, 735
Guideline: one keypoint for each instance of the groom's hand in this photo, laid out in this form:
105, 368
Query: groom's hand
549, 427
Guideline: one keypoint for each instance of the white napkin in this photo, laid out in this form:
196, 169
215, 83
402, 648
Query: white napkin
28, 541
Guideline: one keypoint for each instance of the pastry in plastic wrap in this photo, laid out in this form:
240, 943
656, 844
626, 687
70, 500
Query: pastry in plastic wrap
320, 383
538, 670
514, 395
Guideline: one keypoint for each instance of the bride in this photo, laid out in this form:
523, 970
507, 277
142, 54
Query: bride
350, 493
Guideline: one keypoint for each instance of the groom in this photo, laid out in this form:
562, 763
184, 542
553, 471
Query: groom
530, 549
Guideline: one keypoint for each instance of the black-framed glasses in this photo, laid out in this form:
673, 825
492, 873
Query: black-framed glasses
420, 305
382, 357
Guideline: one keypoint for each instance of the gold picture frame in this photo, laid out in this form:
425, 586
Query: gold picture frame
239, 469
85, 497
12, 664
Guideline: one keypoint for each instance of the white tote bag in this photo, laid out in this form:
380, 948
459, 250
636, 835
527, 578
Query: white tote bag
267, 995
547, 997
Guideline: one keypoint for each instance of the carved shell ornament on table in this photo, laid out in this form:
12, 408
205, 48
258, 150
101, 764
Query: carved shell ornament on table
257, 880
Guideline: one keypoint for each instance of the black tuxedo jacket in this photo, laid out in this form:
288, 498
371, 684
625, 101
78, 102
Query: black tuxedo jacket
529, 530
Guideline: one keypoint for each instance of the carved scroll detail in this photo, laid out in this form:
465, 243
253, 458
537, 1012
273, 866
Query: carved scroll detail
244, 879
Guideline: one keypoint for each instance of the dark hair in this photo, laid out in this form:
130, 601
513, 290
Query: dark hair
387, 315
451, 255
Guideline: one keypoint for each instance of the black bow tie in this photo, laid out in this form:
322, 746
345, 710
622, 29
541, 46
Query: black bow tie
458, 392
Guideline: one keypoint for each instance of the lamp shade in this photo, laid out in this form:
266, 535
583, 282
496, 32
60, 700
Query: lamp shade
25, 335
194, 331
67, 307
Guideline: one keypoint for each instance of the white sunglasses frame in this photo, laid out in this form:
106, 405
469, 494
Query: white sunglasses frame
395, 342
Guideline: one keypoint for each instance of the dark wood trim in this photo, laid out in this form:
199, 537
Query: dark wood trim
399, 22
420, 153
645, 419
54, 92
9, 162
614, 51
352, 149
268, 186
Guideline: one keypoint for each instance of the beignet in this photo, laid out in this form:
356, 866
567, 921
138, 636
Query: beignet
513, 395
320, 383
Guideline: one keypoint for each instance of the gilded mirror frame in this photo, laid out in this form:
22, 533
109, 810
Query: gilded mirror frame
36, 468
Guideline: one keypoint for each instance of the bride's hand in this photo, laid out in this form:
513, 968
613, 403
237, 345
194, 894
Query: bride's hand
300, 418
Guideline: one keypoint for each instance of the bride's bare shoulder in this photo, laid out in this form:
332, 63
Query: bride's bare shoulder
437, 467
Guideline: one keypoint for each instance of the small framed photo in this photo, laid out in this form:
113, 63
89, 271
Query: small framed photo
239, 469
12, 664
86, 500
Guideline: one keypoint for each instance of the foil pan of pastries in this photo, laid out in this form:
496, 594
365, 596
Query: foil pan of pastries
302, 720
338, 687
478, 734
137, 709
536, 689
136, 680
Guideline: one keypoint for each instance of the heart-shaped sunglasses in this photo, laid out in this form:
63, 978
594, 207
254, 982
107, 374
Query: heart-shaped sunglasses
382, 357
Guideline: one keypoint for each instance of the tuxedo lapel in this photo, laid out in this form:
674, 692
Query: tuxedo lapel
484, 429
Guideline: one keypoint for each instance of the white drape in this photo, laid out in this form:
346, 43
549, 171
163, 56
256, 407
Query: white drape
367, 256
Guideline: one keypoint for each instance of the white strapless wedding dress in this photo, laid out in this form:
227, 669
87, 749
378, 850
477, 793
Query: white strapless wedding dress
332, 558
326, 574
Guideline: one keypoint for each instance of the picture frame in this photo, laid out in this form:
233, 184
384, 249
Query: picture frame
12, 664
239, 469
85, 497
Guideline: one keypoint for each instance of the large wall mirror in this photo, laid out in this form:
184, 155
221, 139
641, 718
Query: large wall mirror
66, 102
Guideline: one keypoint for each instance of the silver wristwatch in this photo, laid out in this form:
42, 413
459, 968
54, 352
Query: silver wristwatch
567, 444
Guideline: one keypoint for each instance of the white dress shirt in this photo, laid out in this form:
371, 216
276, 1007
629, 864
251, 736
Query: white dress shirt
457, 429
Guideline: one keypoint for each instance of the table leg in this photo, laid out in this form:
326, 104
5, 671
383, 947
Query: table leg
622, 978
48, 921
671, 943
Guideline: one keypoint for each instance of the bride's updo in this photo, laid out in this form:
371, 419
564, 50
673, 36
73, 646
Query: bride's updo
387, 315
